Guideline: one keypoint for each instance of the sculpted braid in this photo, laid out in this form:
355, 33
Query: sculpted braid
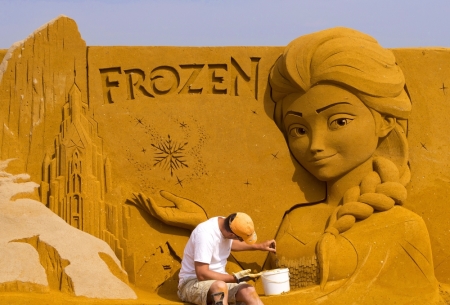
379, 191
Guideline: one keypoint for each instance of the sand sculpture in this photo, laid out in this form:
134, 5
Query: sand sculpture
336, 146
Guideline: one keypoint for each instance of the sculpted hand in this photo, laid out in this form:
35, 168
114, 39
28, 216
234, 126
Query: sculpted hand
245, 275
185, 214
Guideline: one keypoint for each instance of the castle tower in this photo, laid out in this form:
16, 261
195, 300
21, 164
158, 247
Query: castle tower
73, 183
76, 176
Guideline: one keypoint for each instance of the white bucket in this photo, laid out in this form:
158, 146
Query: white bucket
276, 281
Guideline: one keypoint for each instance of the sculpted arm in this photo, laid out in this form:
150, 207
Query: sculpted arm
185, 213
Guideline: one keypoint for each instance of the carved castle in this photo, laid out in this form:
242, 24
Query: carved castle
77, 177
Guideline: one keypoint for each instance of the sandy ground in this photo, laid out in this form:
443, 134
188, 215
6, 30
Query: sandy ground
56, 298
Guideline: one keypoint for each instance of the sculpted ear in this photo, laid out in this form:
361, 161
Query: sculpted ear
385, 124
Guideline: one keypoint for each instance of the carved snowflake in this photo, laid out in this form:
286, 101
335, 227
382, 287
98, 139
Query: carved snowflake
170, 155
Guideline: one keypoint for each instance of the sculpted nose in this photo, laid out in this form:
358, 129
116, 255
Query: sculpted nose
317, 142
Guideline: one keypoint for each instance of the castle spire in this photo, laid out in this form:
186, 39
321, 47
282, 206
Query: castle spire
75, 101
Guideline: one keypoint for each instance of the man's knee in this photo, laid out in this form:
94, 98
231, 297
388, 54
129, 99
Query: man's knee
218, 292
247, 292
218, 286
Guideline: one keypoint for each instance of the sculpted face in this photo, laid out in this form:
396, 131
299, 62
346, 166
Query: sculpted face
330, 131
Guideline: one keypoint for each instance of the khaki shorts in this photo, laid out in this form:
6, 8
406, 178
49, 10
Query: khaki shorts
194, 291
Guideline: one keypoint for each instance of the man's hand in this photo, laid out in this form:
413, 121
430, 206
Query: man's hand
245, 275
268, 245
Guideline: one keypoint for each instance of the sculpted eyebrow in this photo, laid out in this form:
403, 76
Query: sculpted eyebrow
294, 113
329, 106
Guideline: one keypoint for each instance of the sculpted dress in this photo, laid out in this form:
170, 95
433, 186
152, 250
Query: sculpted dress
384, 259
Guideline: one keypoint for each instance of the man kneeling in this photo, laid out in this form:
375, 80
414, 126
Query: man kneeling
203, 279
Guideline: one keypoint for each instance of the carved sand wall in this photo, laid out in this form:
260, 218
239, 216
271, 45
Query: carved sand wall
43, 95
41, 252
427, 78
103, 129
36, 76
175, 116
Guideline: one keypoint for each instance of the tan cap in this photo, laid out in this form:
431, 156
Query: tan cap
242, 226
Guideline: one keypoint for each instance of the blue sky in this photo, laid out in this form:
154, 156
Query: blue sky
394, 23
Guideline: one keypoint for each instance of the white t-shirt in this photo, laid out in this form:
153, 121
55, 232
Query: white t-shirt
206, 245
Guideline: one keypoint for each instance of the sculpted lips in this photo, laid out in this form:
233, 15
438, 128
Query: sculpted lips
320, 159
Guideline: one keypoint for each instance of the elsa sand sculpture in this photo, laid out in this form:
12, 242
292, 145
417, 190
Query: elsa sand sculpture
342, 106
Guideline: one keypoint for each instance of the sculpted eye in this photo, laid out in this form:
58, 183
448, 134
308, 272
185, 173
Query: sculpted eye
297, 131
339, 123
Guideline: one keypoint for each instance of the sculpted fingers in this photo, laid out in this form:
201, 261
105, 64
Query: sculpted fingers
144, 203
165, 214
185, 213
181, 203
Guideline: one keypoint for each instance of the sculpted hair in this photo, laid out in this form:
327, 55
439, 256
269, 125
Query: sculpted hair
344, 57
357, 63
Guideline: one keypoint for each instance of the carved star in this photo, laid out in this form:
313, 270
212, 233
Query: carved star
443, 88
179, 181
139, 121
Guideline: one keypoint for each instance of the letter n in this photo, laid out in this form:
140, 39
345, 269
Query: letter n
244, 77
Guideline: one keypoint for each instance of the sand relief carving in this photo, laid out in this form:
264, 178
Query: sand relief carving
77, 177
342, 105
339, 100
231, 79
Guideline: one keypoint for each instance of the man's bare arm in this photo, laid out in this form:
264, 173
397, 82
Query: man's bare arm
268, 245
203, 274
